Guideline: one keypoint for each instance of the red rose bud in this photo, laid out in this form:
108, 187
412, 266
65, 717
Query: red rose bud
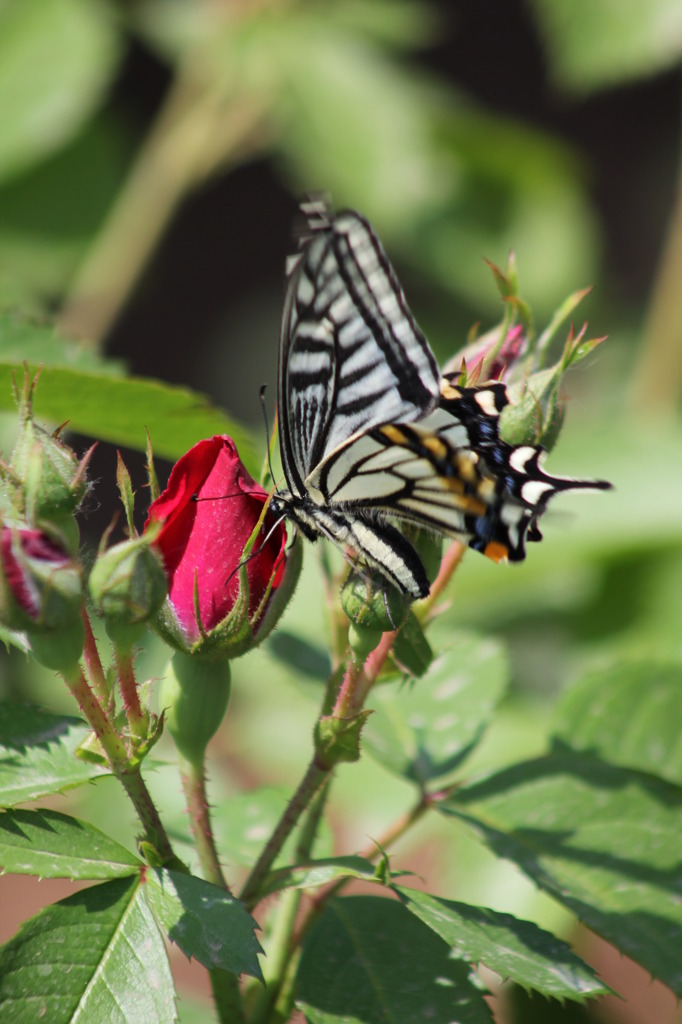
485, 359
41, 593
219, 598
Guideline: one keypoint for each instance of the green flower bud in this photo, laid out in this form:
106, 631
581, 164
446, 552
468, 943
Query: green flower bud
194, 696
59, 649
128, 583
50, 480
373, 606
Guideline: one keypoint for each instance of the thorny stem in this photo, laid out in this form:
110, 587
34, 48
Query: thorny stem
97, 719
194, 786
129, 775
278, 964
94, 663
309, 785
359, 678
131, 699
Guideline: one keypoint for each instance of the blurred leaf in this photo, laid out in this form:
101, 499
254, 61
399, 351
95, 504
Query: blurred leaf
50, 214
411, 649
53, 845
244, 822
319, 872
38, 754
300, 655
603, 841
22, 339
96, 956
592, 45
57, 59
423, 731
514, 949
207, 923
628, 714
120, 410
368, 959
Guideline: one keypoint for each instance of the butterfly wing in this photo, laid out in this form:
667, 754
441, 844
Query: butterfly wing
450, 473
351, 356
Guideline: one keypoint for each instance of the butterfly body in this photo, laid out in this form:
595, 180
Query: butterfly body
370, 431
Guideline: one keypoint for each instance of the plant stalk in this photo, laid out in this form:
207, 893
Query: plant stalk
193, 778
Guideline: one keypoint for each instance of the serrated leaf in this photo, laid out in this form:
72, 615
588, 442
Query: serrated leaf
603, 841
514, 949
119, 410
319, 872
96, 956
53, 845
56, 60
38, 754
206, 922
590, 49
423, 731
369, 960
628, 714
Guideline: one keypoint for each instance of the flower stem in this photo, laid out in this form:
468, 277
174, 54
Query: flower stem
97, 719
193, 777
360, 678
155, 833
227, 997
131, 699
657, 382
94, 663
194, 133
309, 785
449, 563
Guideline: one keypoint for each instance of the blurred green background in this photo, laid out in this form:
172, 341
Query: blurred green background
151, 156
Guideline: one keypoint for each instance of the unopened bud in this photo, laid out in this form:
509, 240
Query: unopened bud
40, 585
128, 583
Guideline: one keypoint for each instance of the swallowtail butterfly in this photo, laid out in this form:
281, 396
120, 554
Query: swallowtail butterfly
369, 429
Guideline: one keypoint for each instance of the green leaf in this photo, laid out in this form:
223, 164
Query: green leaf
119, 409
627, 714
206, 922
54, 845
38, 754
369, 960
25, 340
56, 61
603, 841
300, 655
424, 731
320, 872
96, 956
514, 949
591, 49
50, 215
411, 649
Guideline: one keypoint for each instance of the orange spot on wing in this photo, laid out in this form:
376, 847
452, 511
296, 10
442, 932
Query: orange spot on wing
498, 552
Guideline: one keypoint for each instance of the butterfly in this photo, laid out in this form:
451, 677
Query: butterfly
369, 429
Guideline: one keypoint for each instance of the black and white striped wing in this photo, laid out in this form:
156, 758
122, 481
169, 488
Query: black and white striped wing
449, 473
352, 356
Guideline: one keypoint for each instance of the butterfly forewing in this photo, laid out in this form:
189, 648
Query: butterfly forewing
351, 354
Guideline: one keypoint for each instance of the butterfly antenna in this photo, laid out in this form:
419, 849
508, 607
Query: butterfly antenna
258, 551
268, 440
